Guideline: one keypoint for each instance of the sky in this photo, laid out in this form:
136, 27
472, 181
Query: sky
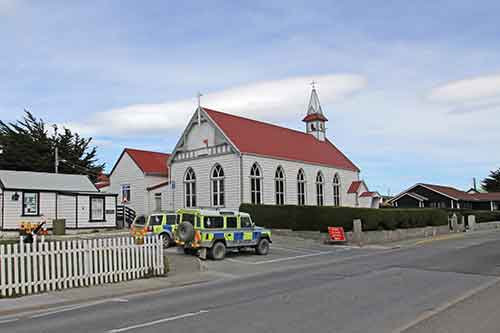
411, 89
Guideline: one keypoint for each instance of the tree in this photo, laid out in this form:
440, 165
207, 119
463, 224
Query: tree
27, 146
492, 182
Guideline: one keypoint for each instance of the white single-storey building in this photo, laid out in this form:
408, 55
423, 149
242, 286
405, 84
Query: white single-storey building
36, 196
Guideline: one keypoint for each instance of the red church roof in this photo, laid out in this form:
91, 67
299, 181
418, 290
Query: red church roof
314, 116
256, 137
150, 162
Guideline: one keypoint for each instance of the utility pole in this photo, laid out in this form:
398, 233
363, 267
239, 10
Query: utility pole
56, 164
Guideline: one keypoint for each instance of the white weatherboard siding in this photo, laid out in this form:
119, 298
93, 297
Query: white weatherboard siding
84, 213
166, 198
13, 210
202, 168
66, 209
127, 172
291, 168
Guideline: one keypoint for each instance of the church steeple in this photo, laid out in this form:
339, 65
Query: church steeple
315, 120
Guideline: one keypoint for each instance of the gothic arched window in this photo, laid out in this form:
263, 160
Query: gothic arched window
301, 188
256, 184
319, 189
190, 188
336, 190
217, 178
279, 181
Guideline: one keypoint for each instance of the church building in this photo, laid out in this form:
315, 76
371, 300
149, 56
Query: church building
223, 160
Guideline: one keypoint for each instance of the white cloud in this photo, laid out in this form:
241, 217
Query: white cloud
467, 90
269, 100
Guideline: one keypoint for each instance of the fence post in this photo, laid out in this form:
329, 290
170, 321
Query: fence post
58, 265
22, 278
162, 259
3, 272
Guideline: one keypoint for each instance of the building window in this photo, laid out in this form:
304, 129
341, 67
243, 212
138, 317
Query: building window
336, 190
158, 201
31, 203
279, 183
319, 189
301, 188
190, 188
125, 193
218, 186
256, 184
96, 209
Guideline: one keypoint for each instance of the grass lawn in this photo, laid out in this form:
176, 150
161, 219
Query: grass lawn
8, 241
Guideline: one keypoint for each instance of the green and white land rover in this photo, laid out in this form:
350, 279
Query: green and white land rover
210, 232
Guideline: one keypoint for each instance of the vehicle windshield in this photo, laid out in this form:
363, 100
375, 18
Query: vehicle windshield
140, 220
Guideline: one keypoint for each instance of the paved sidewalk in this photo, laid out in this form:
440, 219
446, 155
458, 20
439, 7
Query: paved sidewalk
11, 306
184, 270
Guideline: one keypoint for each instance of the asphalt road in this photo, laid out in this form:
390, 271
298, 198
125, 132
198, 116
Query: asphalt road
443, 286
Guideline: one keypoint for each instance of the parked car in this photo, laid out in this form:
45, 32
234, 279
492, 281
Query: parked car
163, 224
211, 232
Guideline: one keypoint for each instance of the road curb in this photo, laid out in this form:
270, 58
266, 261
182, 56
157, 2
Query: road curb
39, 308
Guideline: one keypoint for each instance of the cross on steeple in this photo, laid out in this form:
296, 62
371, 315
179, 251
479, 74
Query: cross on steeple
313, 84
198, 95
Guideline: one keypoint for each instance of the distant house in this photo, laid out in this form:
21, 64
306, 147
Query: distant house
140, 178
362, 196
439, 196
37, 196
102, 182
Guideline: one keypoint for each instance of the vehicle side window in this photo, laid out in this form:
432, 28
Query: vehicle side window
213, 222
171, 219
191, 218
246, 222
155, 220
231, 222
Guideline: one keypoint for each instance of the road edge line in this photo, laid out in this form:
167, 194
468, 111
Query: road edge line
429, 314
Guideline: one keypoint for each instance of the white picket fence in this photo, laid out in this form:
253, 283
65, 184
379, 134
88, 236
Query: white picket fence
55, 265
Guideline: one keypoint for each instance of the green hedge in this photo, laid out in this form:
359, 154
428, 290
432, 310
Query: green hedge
481, 215
320, 218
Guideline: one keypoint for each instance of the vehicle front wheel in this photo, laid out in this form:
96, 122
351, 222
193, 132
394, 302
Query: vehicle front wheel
167, 241
262, 247
218, 251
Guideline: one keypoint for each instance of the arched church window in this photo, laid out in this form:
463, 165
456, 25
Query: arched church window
217, 178
190, 188
336, 190
319, 189
301, 188
256, 184
279, 182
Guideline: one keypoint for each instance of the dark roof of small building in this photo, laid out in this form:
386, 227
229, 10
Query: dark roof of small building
43, 181
453, 193
260, 138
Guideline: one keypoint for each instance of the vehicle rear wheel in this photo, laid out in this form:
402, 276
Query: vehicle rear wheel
218, 251
167, 240
262, 247
185, 232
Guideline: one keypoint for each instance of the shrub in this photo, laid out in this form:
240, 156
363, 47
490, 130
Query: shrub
320, 218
